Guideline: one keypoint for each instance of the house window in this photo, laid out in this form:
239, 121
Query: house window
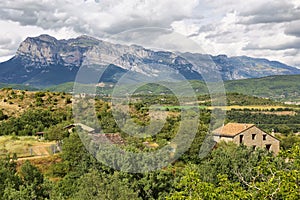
241, 138
253, 136
264, 137
268, 146
254, 147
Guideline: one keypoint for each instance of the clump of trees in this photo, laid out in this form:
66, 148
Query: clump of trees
32, 121
26, 184
284, 124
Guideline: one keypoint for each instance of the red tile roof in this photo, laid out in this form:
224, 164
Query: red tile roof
232, 129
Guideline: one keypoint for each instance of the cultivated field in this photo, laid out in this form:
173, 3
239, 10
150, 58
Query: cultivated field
25, 146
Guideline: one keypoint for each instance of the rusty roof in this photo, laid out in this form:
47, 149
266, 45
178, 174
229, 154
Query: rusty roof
232, 129
114, 138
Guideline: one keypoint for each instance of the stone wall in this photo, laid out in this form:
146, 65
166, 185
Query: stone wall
255, 138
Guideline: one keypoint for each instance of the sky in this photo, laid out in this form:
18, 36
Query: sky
257, 28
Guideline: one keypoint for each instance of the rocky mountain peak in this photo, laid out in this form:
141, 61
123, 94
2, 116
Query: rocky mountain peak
41, 50
46, 38
45, 50
44, 58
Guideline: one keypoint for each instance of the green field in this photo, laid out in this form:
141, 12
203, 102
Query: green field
179, 107
223, 107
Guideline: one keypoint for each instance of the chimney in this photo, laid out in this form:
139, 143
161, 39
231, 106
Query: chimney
273, 133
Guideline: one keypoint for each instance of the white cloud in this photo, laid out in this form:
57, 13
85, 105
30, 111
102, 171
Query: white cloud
270, 31
66, 18
234, 27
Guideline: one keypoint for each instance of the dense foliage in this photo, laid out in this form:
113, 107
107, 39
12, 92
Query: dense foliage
227, 172
230, 172
279, 123
32, 121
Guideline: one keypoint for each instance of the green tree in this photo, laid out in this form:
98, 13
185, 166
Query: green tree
2, 115
23, 193
34, 180
8, 175
57, 132
190, 186
94, 185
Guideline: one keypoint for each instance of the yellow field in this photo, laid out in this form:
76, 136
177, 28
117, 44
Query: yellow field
24, 146
247, 107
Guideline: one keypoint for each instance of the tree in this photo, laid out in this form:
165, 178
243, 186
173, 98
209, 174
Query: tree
57, 132
33, 179
94, 186
190, 186
233, 161
8, 175
3, 116
289, 141
278, 179
23, 193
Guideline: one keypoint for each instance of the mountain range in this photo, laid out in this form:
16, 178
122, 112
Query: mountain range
44, 61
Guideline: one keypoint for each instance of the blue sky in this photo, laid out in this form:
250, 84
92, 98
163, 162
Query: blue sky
269, 29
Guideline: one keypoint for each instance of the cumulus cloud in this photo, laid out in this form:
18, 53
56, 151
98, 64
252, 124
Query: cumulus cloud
293, 28
235, 27
295, 44
271, 12
63, 18
88, 17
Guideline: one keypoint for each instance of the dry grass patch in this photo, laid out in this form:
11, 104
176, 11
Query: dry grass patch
15, 102
24, 146
43, 163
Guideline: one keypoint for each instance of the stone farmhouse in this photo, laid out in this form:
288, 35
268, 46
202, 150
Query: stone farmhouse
247, 134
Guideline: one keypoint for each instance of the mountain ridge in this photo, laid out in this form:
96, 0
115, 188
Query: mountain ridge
44, 61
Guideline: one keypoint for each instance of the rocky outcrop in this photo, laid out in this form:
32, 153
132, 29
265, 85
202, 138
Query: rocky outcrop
44, 61
46, 50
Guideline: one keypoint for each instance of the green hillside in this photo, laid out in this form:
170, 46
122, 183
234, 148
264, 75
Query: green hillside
65, 87
285, 88
17, 87
280, 88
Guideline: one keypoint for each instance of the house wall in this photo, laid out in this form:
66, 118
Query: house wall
222, 138
258, 141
